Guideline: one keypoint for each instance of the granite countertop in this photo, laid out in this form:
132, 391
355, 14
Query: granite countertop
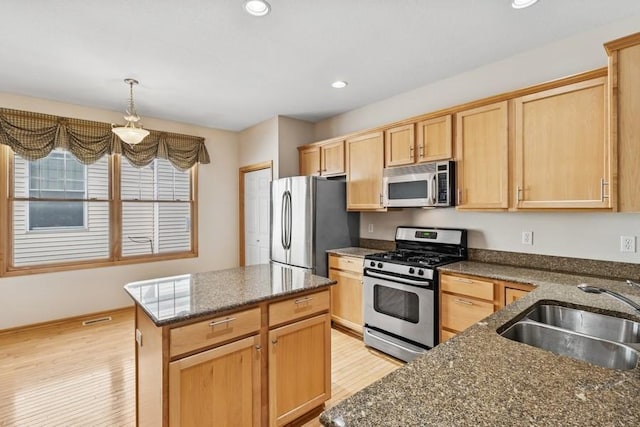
480, 378
173, 299
355, 252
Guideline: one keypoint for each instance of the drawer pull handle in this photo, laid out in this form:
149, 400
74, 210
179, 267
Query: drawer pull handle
463, 301
303, 300
220, 322
464, 280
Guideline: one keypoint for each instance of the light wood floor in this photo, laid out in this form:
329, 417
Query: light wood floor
72, 375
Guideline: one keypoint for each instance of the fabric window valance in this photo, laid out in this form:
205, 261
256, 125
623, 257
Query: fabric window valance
34, 135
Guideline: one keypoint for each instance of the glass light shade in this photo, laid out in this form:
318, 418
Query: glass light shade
521, 4
130, 134
257, 7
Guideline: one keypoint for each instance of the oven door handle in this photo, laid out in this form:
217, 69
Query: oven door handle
421, 283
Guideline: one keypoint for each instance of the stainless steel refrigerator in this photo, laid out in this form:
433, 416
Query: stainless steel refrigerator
308, 216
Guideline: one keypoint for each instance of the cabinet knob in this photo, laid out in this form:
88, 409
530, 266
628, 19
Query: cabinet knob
258, 347
274, 341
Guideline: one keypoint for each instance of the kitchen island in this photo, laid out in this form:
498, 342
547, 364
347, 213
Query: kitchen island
481, 378
230, 347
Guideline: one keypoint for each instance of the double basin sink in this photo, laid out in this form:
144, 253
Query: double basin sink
602, 340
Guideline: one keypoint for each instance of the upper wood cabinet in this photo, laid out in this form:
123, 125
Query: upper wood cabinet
309, 160
424, 141
326, 159
332, 158
399, 145
482, 157
562, 152
434, 139
365, 160
624, 124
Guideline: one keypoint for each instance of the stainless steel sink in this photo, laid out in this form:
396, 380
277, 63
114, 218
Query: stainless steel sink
603, 340
585, 322
594, 350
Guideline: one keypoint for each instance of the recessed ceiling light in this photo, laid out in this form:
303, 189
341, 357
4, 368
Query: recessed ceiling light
257, 7
521, 4
339, 84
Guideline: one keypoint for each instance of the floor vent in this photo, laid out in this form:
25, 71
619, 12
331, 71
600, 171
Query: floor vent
98, 320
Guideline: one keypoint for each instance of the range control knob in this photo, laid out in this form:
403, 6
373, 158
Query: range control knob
412, 270
379, 265
421, 272
372, 263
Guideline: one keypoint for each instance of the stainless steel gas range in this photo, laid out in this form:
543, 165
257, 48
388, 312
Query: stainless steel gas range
401, 290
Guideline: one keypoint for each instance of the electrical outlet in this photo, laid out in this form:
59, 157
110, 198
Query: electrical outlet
627, 243
370, 229
527, 237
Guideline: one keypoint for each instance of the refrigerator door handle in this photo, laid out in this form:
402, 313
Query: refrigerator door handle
283, 221
289, 221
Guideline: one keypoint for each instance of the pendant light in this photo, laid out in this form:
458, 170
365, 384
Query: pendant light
130, 133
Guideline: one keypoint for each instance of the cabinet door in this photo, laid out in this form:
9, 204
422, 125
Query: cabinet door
346, 299
562, 151
299, 368
310, 161
482, 154
434, 139
399, 146
332, 159
624, 69
365, 162
218, 387
510, 295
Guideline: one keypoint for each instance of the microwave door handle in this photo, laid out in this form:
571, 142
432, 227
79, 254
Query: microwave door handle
434, 188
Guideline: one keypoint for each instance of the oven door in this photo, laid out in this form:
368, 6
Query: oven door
413, 190
400, 309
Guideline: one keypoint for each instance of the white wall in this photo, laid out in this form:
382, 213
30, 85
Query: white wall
43, 297
582, 235
291, 134
259, 143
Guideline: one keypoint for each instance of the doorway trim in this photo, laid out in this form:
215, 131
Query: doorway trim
241, 172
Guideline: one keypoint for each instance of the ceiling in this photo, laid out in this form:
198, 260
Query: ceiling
208, 63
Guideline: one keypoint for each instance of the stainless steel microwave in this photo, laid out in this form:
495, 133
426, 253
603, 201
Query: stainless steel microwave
422, 185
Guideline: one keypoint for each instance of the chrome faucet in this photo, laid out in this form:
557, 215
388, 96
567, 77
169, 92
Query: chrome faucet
593, 290
633, 284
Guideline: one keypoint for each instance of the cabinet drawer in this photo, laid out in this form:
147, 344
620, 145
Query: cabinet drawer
347, 263
467, 286
295, 308
458, 313
213, 331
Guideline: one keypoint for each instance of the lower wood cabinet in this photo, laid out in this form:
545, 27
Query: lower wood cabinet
221, 385
299, 368
268, 364
465, 300
346, 295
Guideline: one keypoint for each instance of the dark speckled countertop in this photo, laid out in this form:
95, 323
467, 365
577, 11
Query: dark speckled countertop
173, 299
479, 378
354, 251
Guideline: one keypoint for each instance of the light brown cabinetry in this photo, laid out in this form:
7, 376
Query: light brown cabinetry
365, 160
482, 157
399, 145
346, 295
221, 385
325, 159
266, 364
299, 368
434, 139
562, 151
465, 300
624, 126
424, 141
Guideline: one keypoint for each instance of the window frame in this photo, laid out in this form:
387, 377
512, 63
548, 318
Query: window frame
115, 224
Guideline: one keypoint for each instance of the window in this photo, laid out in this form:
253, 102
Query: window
64, 212
57, 176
